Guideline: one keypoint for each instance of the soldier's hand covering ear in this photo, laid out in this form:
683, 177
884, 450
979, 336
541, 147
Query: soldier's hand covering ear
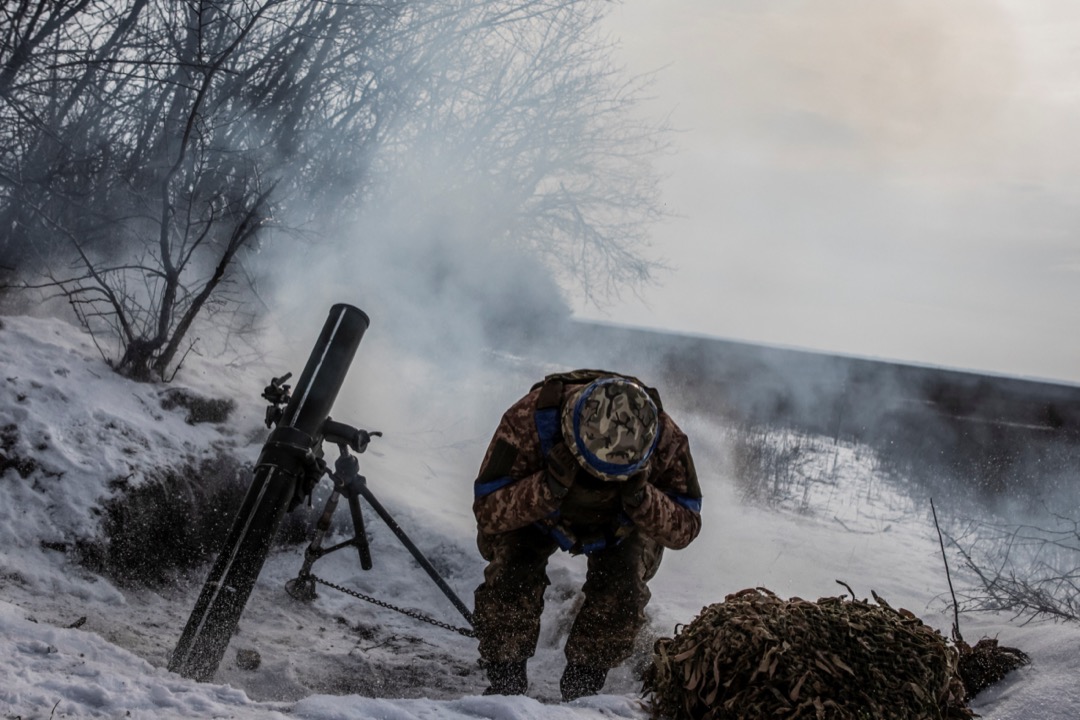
632, 490
561, 470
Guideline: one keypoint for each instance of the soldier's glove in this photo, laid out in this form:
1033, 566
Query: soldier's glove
632, 490
562, 468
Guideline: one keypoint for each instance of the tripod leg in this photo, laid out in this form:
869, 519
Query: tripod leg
302, 587
360, 540
350, 481
419, 556
320, 530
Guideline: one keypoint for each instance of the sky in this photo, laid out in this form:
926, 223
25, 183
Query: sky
897, 179
75, 644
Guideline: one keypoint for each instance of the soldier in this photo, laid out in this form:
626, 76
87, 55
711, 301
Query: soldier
588, 462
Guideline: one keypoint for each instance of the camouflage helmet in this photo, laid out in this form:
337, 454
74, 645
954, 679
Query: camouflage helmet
611, 427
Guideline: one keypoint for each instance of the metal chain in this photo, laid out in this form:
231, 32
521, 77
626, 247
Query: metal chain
467, 632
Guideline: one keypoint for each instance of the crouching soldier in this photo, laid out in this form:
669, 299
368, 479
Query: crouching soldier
587, 462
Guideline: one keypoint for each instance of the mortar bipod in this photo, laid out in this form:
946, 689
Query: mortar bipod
349, 482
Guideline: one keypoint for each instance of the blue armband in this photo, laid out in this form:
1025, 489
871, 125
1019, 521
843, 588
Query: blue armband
486, 488
691, 504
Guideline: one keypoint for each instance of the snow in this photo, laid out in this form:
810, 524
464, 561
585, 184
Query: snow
74, 644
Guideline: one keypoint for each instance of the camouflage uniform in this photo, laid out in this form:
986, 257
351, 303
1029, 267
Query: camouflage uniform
521, 522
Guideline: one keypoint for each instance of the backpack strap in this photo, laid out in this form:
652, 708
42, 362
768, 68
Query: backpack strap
546, 415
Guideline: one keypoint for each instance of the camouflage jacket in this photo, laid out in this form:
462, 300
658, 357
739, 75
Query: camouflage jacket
511, 490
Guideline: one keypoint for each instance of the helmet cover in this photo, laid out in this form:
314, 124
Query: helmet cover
611, 427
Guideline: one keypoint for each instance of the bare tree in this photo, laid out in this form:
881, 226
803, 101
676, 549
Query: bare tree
184, 126
150, 146
526, 122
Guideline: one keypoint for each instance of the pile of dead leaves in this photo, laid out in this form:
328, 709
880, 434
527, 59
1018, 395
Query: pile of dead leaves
757, 656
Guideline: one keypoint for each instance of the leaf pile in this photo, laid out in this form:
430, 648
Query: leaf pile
757, 656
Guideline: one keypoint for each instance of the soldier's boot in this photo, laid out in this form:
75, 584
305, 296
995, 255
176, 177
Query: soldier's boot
581, 680
507, 678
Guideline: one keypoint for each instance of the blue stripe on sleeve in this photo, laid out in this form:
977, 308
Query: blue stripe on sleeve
486, 488
692, 504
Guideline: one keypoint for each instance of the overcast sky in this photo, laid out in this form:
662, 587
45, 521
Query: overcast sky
896, 178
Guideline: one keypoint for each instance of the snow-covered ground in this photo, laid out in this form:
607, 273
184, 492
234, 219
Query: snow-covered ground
73, 644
